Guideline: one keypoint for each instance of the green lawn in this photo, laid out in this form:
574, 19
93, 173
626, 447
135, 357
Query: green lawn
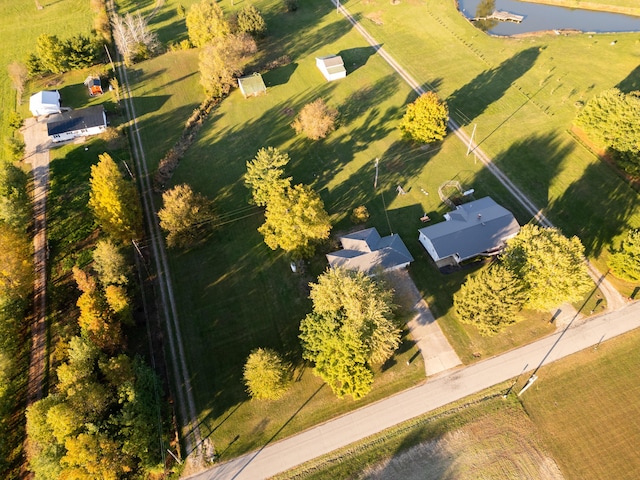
235, 294
20, 25
587, 410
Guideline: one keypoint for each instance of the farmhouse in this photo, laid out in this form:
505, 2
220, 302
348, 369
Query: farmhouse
332, 67
45, 102
77, 123
481, 227
252, 85
94, 85
367, 252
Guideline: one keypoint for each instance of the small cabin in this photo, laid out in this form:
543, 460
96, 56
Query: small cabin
332, 67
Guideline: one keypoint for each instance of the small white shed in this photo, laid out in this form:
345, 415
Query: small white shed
332, 67
45, 102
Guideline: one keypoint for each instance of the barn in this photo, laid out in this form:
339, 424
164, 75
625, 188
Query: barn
45, 102
77, 123
332, 67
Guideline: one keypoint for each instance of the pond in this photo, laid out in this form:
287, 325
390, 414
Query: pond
545, 17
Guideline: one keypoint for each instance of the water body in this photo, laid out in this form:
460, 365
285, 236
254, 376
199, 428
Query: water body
545, 17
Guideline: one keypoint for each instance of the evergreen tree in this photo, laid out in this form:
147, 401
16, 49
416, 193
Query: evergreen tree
250, 21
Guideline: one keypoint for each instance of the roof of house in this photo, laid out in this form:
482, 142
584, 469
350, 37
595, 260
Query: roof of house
331, 63
365, 250
473, 228
45, 97
252, 84
91, 81
76, 120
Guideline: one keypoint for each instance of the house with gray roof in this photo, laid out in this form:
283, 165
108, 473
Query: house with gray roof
77, 123
367, 252
252, 85
477, 228
332, 67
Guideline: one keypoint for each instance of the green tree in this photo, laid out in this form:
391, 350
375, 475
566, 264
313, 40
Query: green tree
43, 451
250, 21
81, 51
16, 264
265, 374
625, 262
15, 206
316, 120
222, 61
612, 118
551, 266
265, 175
296, 221
110, 264
186, 216
425, 120
205, 22
490, 300
350, 329
50, 52
114, 201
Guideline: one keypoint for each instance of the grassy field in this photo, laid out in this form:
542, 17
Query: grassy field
587, 410
20, 25
240, 295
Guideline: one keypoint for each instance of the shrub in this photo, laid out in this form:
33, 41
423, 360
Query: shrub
359, 215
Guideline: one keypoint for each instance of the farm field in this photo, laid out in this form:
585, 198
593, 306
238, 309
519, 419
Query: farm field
578, 421
240, 295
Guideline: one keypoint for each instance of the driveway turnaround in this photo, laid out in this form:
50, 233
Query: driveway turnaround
445, 388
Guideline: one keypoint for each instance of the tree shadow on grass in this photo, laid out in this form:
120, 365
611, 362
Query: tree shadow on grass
488, 87
631, 83
363, 99
279, 76
597, 207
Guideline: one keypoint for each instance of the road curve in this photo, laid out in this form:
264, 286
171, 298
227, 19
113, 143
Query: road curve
441, 390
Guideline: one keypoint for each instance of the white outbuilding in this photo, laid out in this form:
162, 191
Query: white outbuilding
45, 102
332, 67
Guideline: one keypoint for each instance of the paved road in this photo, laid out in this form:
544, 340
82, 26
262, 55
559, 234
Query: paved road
445, 388
37, 154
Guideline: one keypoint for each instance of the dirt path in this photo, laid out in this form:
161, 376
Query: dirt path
615, 301
37, 154
436, 351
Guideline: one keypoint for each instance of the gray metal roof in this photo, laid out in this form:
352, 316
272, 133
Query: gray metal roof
252, 84
365, 250
74, 120
473, 228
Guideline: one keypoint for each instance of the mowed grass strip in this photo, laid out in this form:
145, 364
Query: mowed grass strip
587, 410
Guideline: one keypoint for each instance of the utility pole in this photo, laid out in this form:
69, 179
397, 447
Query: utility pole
471, 139
532, 379
375, 181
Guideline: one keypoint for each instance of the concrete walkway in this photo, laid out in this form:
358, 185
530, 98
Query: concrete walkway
37, 145
446, 388
436, 351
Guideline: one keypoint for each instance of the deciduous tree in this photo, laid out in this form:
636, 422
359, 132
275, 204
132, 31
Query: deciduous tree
551, 266
186, 216
265, 374
490, 300
295, 221
350, 329
425, 120
250, 21
15, 205
134, 40
18, 74
114, 201
16, 264
110, 264
265, 176
222, 61
205, 22
625, 262
316, 120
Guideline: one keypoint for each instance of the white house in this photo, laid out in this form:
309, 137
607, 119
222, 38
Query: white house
77, 123
332, 67
481, 227
367, 252
45, 102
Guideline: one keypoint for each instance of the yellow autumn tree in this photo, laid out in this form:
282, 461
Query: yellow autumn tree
114, 201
